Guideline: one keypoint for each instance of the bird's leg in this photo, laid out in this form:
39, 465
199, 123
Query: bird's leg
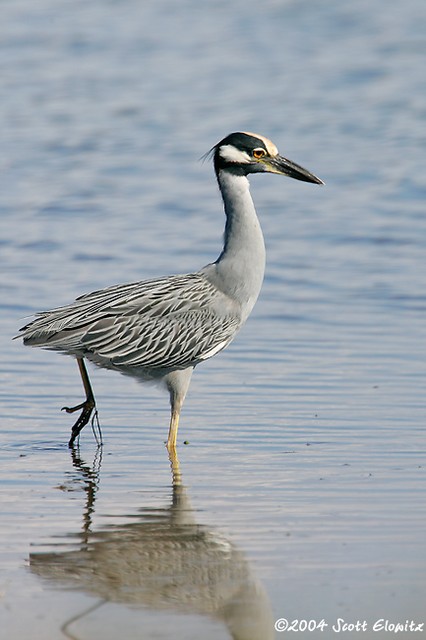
177, 384
173, 429
87, 407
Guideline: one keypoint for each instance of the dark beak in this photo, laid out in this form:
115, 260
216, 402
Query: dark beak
284, 167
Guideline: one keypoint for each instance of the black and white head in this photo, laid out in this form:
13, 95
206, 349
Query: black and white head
243, 153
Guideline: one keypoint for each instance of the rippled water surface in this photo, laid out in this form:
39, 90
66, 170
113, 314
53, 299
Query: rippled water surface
299, 493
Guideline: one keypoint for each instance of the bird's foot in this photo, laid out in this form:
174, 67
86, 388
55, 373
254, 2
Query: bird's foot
88, 407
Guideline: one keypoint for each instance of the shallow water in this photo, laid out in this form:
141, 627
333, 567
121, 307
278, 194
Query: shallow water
300, 493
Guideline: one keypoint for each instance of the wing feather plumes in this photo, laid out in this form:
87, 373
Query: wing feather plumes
165, 323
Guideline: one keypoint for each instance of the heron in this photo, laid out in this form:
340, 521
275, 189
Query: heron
160, 329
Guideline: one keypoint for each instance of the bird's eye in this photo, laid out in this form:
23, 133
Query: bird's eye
259, 153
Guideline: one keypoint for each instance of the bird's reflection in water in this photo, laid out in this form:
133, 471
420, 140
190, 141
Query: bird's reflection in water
162, 560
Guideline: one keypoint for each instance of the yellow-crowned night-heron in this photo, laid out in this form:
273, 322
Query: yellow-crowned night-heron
161, 329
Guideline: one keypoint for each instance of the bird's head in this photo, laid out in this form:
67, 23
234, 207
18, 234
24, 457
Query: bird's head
243, 153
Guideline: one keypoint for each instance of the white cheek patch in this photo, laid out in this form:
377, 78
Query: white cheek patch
229, 153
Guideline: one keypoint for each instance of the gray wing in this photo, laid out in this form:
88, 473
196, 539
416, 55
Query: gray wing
169, 322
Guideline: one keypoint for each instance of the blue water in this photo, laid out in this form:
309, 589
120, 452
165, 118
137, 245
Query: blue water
301, 494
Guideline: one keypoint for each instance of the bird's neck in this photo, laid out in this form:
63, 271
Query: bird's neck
241, 265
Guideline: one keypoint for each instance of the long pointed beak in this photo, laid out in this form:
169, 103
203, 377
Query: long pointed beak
283, 166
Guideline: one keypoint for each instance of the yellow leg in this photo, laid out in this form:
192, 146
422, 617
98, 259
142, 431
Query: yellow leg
177, 384
173, 429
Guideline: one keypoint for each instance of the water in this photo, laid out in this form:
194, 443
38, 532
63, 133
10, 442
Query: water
301, 492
